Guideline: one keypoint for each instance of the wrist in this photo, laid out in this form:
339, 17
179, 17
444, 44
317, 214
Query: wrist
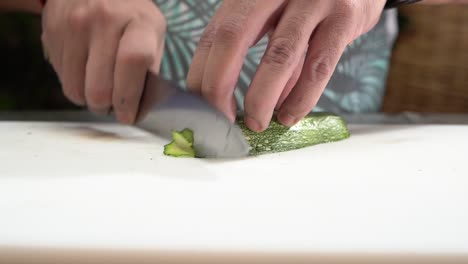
397, 3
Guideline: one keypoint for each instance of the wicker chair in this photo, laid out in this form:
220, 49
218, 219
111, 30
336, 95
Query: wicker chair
429, 71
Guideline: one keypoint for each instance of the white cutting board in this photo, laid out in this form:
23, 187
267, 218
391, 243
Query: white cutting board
386, 190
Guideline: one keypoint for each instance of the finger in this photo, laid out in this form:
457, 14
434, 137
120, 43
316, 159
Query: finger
75, 55
197, 66
324, 53
52, 37
291, 83
138, 51
99, 78
281, 58
236, 33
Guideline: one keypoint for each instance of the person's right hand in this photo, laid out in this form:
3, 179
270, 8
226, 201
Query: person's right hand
103, 49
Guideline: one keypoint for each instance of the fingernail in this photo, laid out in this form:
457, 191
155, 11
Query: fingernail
233, 112
232, 118
125, 118
253, 124
78, 101
287, 119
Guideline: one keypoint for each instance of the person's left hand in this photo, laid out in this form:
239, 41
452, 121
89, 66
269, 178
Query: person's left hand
307, 39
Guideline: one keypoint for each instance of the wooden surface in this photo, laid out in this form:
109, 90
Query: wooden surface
429, 70
388, 190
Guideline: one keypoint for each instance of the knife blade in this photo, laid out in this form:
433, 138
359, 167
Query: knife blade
166, 107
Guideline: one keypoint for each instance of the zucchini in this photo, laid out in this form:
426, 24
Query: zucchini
315, 128
181, 144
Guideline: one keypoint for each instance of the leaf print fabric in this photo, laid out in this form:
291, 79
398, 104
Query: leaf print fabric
358, 83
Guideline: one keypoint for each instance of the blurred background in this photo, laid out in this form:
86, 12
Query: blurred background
429, 69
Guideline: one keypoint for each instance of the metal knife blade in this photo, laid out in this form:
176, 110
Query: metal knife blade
166, 107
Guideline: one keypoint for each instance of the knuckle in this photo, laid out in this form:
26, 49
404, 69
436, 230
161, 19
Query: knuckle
320, 69
153, 16
159, 17
345, 17
102, 10
343, 28
207, 39
281, 53
295, 26
347, 8
162, 23
79, 19
345, 31
343, 25
230, 30
244, 6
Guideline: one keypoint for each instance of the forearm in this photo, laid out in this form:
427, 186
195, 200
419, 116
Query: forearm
33, 6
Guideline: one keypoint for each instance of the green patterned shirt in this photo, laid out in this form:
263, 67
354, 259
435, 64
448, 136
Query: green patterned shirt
357, 85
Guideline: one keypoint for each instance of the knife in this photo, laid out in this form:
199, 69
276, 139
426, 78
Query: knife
166, 107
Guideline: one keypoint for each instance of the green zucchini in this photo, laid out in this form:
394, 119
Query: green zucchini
181, 145
315, 128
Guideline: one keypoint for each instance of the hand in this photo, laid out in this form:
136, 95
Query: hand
102, 50
307, 39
